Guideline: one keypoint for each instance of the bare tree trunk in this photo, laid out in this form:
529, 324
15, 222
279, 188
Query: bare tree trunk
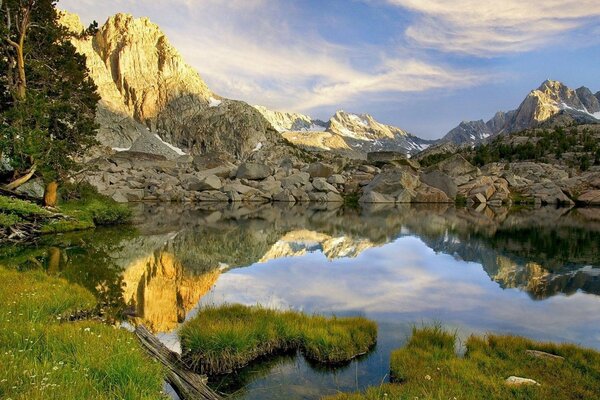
50, 194
22, 180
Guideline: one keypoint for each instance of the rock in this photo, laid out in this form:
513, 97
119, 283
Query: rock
296, 180
300, 195
152, 144
321, 185
199, 184
543, 354
428, 194
212, 196
333, 197
119, 197
479, 198
457, 168
318, 197
375, 197
285, 196
336, 179
253, 171
487, 191
405, 196
33, 188
590, 198
233, 196
392, 183
213, 160
256, 196
369, 169
548, 193
440, 180
320, 170
271, 187
517, 381
237, 187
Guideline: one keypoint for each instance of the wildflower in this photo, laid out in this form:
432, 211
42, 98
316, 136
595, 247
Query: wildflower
427, 377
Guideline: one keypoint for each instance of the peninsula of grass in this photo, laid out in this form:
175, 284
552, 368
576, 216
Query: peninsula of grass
44, 356
225, 338
429, 368
29, 219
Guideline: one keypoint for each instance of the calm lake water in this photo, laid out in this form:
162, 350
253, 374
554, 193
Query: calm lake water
529, 272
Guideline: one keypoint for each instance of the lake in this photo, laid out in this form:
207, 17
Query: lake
534, 273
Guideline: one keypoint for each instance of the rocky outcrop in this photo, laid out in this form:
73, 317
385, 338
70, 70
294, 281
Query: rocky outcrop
294, 122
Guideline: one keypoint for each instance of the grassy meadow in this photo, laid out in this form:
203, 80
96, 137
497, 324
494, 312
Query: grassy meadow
221, 339
45, 356
429, 368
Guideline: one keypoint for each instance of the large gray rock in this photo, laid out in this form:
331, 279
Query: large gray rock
440, 180
296, 180
320, 170
375, 197
590, 198
285, 196
428, 194
393, 181
321, 185
458, 168
33, 188
253, 171
199, 184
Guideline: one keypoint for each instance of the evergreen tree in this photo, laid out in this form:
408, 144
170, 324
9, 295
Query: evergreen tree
47, 111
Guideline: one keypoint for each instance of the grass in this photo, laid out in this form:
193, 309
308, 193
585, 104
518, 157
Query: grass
43, 356
87, 211
221, 339
428, 368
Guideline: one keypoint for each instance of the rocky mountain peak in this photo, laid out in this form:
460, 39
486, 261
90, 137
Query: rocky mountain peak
291, 122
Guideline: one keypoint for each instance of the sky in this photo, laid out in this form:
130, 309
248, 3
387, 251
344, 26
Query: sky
422, 65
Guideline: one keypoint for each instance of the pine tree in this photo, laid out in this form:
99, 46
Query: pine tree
47, 107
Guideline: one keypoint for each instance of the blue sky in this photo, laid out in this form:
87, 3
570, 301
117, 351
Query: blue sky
423, 65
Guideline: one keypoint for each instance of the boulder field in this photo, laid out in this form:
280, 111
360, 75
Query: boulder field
391, 178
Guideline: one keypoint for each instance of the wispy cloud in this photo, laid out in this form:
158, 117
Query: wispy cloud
248, 50
489, 27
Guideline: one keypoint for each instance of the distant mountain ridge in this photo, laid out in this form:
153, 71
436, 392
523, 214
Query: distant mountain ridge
355, 135
550, 100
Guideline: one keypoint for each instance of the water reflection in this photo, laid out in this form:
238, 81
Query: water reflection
530, 272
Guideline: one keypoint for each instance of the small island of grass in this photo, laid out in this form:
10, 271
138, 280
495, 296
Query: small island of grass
221, 339
429, 368
44, 356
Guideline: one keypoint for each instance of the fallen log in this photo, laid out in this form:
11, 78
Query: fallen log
187, 384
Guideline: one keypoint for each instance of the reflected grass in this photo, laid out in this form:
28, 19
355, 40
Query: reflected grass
428, 368
45, 357
221, 339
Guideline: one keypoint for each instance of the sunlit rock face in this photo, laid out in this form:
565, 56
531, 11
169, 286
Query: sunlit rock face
161, 292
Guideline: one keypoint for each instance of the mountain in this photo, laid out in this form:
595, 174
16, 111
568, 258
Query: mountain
353, 135
145, 85
286, 121
552, 100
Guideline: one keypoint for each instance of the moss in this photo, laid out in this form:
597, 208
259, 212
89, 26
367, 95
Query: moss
8, 220
22, 208
222, 339
45, 357
428, 368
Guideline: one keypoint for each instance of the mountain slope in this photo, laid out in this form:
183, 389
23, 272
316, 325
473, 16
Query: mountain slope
286, 122
145, 85
551, 100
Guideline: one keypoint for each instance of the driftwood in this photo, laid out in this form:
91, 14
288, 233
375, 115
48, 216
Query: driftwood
187, 384
22, 180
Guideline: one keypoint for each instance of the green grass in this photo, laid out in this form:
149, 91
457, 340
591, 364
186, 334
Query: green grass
222, 339
43, 356
428, 368
22, 208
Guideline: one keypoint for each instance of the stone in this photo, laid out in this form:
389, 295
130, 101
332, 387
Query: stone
380, 158
119, 197
32, 188
375, 197
392, 182
518, 381
405, 196
295, 180
320, 170
285, 196
212, 196
333, 197
233, 196
336, 179
237, 187
270, 186
455, 167
253, 171
256, 196
548, 193
487, 191
479, 198
543, 354
300, 195
590, 198
200, 184
318, 197
440, 180
321, 185
428, 194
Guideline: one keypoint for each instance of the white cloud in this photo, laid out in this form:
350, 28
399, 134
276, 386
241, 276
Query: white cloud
489, 27
247, 49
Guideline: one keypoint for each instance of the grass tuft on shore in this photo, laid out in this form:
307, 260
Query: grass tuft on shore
429, 368
221, 339
43, 356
